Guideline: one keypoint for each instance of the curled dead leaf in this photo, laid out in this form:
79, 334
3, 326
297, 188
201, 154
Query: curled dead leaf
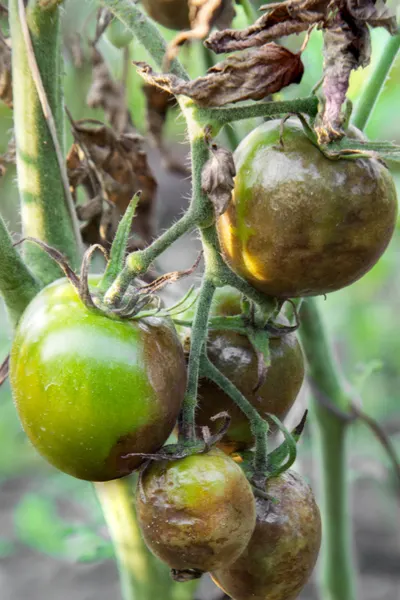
6, 92
217, 178
251, 75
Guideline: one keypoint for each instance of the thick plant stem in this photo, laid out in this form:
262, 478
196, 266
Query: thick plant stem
375, 83
134, 561
44, 211
337, 565
17, 284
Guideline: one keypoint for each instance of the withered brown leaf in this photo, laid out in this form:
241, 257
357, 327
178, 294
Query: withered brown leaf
108, 94
280, 19
373, 12
217, 178
250, 75
6, 92
111, 168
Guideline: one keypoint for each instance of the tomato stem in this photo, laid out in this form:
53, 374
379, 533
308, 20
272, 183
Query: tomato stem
259, 427
375, 82
46, 212
17, 284
337, 566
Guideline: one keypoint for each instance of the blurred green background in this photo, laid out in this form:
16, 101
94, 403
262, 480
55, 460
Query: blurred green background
55, 515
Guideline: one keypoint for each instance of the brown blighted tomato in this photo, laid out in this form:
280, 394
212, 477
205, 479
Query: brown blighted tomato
233, 354
90, 389
196, 513
284, 547
173, 14
300, 224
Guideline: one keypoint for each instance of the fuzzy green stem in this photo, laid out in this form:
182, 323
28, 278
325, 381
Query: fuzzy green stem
273, 110
375, 83
144, 31
17, 284
259, 427
45, 214
337, 565
134, 562
197, 341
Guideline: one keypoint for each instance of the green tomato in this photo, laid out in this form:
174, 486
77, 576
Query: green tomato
300, 224
90, 389
196, 513
118, 35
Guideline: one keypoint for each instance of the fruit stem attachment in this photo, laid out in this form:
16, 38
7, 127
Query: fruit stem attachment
337, 568
17, 284
134, 562
375, 82
259, 427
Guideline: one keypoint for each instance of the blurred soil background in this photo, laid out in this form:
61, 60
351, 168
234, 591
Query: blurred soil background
53, 540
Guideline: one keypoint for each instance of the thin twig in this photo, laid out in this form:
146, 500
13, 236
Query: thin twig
48, 115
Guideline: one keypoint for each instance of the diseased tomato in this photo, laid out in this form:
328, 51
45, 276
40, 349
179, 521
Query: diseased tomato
90, 389
233, 354
196, 513
300, 224
173, 14
284, 547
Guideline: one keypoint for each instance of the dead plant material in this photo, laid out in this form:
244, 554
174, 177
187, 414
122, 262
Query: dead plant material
6, 93
217, 178
251, 75
111, 168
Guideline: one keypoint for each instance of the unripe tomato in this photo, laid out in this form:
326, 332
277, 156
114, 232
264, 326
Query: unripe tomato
300, 224
118, 35
197, 512
173, 14
283, 549
90, 389
233, 354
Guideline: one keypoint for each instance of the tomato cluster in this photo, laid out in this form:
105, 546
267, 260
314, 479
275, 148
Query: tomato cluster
96, 394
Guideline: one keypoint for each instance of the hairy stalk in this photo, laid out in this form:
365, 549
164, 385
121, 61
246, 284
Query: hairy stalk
259, 427
17, 284
144, 31
337, 565
375, 83
134, 561
45, 214
223, 116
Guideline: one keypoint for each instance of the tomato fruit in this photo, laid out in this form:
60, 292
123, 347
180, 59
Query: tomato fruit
300, 224
233, 354
284, 546
173, 14
196, 513
90, 389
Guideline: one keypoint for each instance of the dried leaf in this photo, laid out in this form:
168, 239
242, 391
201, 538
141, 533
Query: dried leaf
217, 178
250, 75
8, 157
6, 93
346, 47
111, 168
374, 13
109, 95
281, 19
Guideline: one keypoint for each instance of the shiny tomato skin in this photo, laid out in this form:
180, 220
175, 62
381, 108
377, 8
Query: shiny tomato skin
284, 547
197, 512
300, 224
90, 389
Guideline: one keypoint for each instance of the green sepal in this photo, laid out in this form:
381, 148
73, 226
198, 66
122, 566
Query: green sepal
283, 457
119, 246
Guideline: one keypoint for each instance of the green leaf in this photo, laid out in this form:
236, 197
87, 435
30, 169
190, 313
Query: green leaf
283, 457
119, 246
39, 527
